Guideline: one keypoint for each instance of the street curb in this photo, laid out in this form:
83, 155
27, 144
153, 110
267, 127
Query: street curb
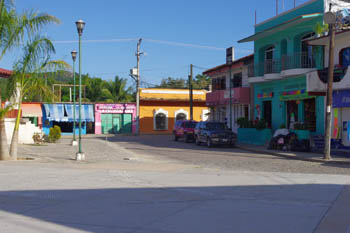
293, 157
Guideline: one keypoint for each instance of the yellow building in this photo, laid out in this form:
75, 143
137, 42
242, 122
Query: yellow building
160, 108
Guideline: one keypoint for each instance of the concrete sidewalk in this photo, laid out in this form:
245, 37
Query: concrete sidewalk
306, 156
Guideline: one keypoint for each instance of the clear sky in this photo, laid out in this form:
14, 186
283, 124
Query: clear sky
175, 33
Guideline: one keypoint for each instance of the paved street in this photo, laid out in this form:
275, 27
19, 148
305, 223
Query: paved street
151, 184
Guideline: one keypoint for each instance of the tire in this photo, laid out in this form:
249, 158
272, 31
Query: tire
209, 143
198, 143
186, 138
175, 137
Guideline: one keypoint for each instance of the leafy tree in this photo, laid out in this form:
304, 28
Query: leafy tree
201, 82
27, 79
173, 83
116, 91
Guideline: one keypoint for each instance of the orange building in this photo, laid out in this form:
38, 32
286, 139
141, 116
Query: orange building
160, 108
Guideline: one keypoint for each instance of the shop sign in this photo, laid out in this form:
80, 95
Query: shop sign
294, 95
265, 95
341, 99
115, 108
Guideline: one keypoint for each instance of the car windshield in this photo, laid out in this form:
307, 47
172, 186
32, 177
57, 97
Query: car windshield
216, 125
190, 125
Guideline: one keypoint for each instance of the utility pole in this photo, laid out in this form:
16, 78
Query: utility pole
330, 19
138, 54
230, 92
190, 87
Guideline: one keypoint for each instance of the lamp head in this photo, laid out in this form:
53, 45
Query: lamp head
80, 26
74, 55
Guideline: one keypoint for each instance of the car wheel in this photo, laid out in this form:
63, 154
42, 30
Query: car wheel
209, 143
198, 143
175, 137
186, 138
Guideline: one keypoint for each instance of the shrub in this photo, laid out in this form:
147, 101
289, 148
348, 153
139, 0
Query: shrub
300, 126
55, 134
261, 124
243, 122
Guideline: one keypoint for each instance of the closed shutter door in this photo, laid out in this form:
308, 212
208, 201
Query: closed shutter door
126, 123
106, 123
116, 123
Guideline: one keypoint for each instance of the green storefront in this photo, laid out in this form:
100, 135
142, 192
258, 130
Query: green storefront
286, 103
116, 123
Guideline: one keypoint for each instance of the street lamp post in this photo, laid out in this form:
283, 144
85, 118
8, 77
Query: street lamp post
80, 27
74, 56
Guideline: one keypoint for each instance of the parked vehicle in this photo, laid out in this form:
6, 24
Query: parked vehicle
184, 129
214, 133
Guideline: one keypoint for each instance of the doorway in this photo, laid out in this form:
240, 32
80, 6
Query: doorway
267, 112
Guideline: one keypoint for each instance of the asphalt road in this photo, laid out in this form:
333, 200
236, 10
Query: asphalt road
152, 184
164, 147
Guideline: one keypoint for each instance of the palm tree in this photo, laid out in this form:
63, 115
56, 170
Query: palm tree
27, 77
116, 91
4, 151
14, 27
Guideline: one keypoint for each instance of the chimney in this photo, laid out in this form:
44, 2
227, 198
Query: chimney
230, 55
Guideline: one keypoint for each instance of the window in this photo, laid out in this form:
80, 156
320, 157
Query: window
344, 57
306, 51
181, 117
292, 113
269, 64
237, 80
160, 120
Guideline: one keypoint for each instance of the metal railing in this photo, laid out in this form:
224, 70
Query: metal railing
300, 60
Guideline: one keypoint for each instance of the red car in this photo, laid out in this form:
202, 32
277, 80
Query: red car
184, 129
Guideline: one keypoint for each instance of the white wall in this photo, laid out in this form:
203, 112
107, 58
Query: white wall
25, 133
341, 41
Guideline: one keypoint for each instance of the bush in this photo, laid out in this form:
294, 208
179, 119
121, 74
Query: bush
55, 134
300, 126
261, 124
243, 122
283, 126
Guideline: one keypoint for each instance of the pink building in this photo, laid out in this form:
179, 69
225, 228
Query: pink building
115, 118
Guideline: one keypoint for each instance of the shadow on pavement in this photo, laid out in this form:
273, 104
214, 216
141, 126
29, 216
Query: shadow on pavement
222, 209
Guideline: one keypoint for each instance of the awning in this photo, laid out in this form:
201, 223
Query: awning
55, 112
87, 112
31, 110
280, 27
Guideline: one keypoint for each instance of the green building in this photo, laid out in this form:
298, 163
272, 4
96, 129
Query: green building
282, 59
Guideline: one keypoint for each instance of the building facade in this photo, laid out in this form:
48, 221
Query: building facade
115, 118
282, 60
160, 108
234, 75
317, 81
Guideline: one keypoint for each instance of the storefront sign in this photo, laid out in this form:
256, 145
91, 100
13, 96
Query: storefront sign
265, 95
115, 108
294, 95
341, 99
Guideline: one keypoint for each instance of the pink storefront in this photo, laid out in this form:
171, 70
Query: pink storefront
115, 118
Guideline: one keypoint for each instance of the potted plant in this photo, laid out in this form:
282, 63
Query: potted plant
255, 133
301, 130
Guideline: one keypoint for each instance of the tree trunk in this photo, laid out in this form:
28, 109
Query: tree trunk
14, 141
4, 151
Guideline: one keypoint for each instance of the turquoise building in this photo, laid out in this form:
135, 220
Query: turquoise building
282, 59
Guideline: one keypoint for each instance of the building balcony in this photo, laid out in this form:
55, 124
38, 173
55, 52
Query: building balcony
289, 65
240, 95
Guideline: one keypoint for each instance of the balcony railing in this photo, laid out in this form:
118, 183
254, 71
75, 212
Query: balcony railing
301, 60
